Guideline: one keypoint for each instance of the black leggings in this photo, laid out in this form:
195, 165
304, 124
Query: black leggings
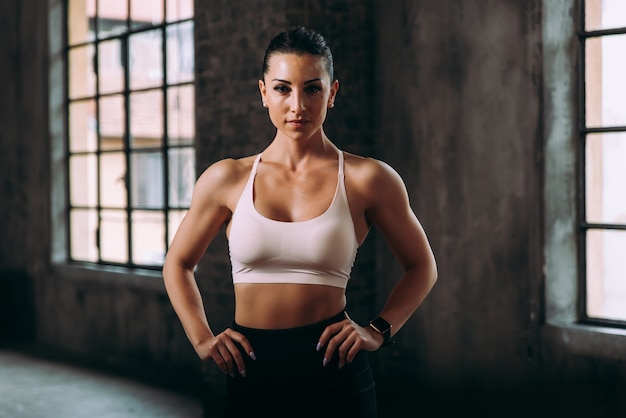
288, 380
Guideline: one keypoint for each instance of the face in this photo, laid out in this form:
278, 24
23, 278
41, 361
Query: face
298, 91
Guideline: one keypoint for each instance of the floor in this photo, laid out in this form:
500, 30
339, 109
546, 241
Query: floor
31, 387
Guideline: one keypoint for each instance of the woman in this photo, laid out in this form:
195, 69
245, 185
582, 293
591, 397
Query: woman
295, 216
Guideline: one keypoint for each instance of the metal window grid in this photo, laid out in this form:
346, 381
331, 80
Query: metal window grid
584, 131
163, 149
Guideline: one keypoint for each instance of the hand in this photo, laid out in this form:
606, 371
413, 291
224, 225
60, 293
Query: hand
348, 338
222, 349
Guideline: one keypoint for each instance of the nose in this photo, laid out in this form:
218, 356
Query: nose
297, 102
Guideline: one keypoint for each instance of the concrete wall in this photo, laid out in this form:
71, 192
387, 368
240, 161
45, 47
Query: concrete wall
451, 94
24, 151
460, 118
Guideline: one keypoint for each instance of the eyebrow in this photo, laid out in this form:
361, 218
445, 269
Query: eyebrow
289, 82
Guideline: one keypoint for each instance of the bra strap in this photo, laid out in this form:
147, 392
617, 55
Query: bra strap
255, 165
340, 155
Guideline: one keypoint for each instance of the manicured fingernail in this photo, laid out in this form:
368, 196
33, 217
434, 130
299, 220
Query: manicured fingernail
243, 373
324, 362
319, 345
252, 355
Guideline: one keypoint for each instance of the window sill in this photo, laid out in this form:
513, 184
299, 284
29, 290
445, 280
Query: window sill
585, 340
144, 279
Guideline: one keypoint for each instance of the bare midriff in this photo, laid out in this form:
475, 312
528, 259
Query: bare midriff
280, 305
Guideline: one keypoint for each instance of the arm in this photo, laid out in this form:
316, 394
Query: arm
207, 213
385, 203
391, 213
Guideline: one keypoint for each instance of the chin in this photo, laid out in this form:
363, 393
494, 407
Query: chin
297, 135
299, 138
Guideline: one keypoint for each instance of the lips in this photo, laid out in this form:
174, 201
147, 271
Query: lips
298, 122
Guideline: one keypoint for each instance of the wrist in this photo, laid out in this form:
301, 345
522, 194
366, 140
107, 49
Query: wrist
376, 336
383, 329
200, 341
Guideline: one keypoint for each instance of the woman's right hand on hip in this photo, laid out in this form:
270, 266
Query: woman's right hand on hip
223, 350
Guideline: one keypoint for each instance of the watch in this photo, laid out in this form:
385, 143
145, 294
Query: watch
382, 327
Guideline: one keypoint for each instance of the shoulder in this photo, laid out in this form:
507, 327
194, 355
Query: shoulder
367, 172
375, 187
226, 171
222, 177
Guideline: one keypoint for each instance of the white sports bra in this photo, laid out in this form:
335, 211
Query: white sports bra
318, 251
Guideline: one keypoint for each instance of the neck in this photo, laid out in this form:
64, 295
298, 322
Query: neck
294, 153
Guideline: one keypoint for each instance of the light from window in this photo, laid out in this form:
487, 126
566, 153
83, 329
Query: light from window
604, 139
131, 127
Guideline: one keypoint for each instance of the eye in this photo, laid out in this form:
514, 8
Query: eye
313, 89
281, 88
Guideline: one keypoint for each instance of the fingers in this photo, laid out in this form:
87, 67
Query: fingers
223, 358
345, 337
227, 355
350, 344
243, 342
235, 361
328, 333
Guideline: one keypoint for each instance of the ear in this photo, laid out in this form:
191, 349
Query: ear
334, 88
263, 91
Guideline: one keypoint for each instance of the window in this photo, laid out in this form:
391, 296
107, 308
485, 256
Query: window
130, 112
602, 174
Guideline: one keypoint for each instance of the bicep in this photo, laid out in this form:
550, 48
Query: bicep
194, 234
391, 213
200, 225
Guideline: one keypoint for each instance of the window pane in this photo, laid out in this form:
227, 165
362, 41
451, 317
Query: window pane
83, 180
112, 15
606, 274
82, 123
112, 180
116, 127
146, 59
606, 171
179, 10
148, 238
146, 119
147, 180
180, 115
80, 20
605, 82
180, 59
112, 122
182, 176
83, 243
145, 12
175, 218
114, 236
82, 79
605, 14
110, 67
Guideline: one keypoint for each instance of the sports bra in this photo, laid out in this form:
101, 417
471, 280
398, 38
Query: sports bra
318, 251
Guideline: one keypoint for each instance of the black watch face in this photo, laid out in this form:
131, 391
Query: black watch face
382, 325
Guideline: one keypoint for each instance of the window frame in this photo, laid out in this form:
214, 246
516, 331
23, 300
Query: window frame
562, 328
163, 150
584, 226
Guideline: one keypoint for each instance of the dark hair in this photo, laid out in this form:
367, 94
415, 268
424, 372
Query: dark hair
299, 40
